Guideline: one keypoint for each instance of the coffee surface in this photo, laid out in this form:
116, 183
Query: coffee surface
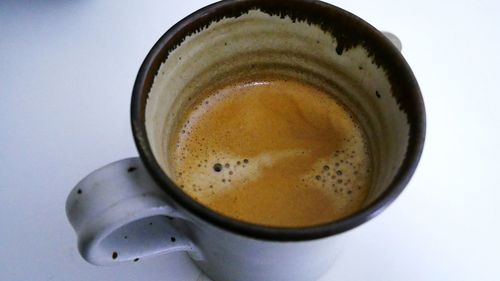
272, 152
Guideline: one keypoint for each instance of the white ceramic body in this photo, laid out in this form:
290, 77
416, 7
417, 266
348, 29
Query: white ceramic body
132, 209
233, 257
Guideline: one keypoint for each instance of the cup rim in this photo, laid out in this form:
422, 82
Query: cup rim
384, 53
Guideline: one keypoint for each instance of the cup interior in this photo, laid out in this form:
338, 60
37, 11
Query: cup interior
334, 51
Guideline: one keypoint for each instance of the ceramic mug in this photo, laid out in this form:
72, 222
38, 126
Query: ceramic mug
132, 209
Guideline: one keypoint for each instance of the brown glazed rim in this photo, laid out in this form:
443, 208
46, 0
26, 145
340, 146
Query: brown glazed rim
349, 31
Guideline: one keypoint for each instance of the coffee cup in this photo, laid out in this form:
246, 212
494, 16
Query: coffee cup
132, 209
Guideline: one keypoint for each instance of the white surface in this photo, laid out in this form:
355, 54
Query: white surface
66, 74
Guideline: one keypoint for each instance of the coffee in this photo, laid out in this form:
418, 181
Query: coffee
275, 152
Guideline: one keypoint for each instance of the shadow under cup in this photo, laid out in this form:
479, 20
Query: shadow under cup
354, 63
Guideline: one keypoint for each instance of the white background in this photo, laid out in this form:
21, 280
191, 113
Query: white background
66, 73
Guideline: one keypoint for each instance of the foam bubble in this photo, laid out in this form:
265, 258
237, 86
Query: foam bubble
217, 167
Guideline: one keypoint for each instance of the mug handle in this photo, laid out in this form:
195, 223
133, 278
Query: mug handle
394, 40
120, 214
